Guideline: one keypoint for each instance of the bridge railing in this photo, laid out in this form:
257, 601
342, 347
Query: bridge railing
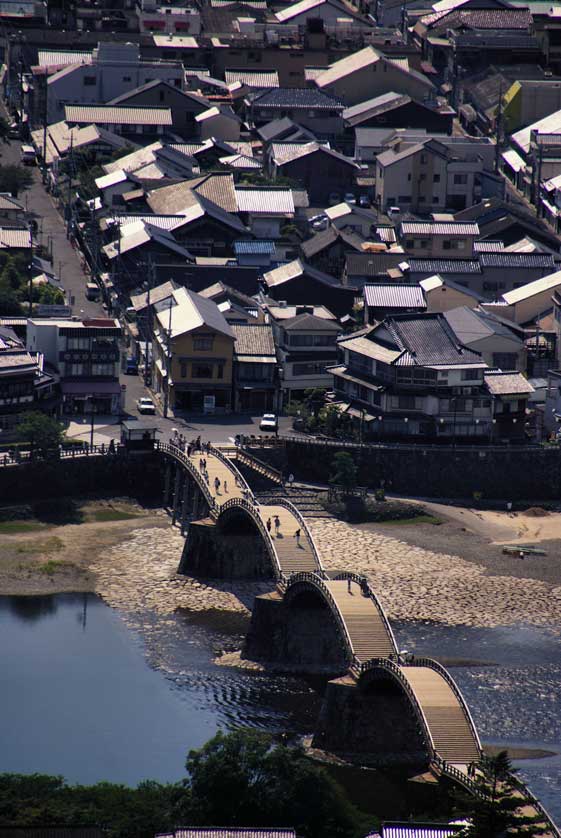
460, 777
22, 457
365, 585
251, 508
395, 669
182, 458
303, 525
443, 672
265, 442
318, 579
250, 459
230, 465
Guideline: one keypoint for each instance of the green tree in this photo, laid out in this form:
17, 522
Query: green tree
344, 471
9, 302
15, 179
4, 127
498, 810
246, 779
11, 275
43, 432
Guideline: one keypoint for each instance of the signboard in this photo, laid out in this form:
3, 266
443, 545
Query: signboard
53, 311
209, 404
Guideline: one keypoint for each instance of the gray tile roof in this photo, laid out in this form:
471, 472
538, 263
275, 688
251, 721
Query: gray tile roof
428, 340
114, 115
439, 228
517, 260
297, 97
470, 325
252, 78
443, 266
507, 384
373, 264
393, 295
253, 339
328, 237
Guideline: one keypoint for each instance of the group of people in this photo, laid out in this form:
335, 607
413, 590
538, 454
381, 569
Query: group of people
277, 523
180, 441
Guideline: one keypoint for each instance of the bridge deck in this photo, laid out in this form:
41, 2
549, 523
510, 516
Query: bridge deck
367, 630
294, 554
451, 733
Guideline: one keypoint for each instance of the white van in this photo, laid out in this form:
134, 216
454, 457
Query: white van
28, 155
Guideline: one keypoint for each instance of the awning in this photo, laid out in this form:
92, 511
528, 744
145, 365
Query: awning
90, 388
256, 359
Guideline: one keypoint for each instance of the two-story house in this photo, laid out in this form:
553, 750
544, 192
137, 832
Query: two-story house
192, 354
23, 383
442, 239
411, 376
255, 368
86, 355
306, 343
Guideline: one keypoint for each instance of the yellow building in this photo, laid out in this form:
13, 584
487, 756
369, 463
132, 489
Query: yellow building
193, 350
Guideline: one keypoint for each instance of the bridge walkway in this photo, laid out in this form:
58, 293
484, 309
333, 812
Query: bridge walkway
368, 631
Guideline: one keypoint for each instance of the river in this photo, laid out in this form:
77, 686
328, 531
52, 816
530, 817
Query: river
91, 697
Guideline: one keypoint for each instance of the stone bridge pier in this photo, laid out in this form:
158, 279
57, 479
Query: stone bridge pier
230, 547
372, 720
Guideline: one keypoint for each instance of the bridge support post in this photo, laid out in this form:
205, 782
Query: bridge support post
176, 489
185, 503
167, 484
196, 502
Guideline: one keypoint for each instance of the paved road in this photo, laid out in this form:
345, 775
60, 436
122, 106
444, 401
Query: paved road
52, 232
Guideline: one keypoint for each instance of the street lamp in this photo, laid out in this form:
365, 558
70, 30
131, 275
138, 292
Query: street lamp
92, 424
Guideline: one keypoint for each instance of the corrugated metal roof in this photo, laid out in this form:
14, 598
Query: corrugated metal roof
253, 78
253, 247
439, 228
386, 234
420, 831
394, 296
546, 283
297, 9
59, 58
266, 201
550, 124
13, 238
488, 246
231, 832
110, 115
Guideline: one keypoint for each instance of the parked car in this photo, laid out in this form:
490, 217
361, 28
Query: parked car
269, 423
28, 157
391, 211
320, 224
349, 198
131, 367
363, 201
145, 405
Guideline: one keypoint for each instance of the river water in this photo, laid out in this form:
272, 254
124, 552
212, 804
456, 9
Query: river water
89, 697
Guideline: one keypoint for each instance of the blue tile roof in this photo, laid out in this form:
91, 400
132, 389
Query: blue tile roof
252, 248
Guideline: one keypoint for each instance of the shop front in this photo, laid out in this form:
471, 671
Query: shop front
84, 397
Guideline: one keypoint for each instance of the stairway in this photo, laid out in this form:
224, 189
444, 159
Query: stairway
451, 733
307, 501
293, 557
367, 630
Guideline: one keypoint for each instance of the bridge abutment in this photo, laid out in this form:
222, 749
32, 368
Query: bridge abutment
208, 553
372, 722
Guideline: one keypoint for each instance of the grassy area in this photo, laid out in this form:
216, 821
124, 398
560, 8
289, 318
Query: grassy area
417, 519
52, 565
48, 545
111, 514
17, 527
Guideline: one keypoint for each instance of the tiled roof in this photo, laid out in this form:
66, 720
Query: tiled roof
297, 97
470, 325
346, 66
411, 830
229, 832
175, 198
13, 238
484, 19
284, 153
161, 292
320, 241
442, 266
428, 340
517, 260
253, 78
372, 264
378, 105
292, 270
488, 247
17, 359
58, 58
439, 228
109, 115
240, 161
372, 349
253, 247
310, 323
393, 295
253, 339
507, 384
190, 312
265, 200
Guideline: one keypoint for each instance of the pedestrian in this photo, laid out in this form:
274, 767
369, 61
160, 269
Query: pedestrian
364, 587
198, 443
225, 487
521, 554
297, 537
349, 585
112, 446
277, 525
217, 485
290, 479
204, 464
201, 464
268, 525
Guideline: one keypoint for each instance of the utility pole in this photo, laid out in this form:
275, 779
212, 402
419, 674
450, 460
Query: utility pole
151, 279
499, 129
168, 359
30, 270
45, 136
70, 175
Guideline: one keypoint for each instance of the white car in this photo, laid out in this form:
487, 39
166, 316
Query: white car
145, 405
269, 423
349, 198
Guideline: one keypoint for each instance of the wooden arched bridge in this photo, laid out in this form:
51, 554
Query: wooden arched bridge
380, 702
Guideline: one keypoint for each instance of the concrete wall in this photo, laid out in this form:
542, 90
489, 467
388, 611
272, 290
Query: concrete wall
506, 474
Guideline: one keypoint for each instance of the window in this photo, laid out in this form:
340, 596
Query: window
203, 343
423, 243
406, 402
460, 179
404, 199
390, 200
78, 343
436, 178
380, 173
202, 370
435, 199
220, 371
423, 158
409, 176
471, 375
505, 360
75, 369
102, 369
312, 340
89, 81
308, 369
162, 95
410, 244
127, 78
422, 177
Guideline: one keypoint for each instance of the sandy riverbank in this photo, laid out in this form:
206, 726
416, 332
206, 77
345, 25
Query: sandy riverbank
440, 573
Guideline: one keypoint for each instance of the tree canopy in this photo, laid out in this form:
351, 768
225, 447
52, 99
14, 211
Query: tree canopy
43, 432
344, 471
15, 179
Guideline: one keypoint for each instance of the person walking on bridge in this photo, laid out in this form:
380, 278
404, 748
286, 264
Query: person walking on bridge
217, 485
297, 537
277, 525
268, 525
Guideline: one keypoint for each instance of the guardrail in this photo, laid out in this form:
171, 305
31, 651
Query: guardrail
459, 776
21, 457
251, 459
365, 585
182, 458
303, 525
253, 511
318, 579
443, 672
405, 446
